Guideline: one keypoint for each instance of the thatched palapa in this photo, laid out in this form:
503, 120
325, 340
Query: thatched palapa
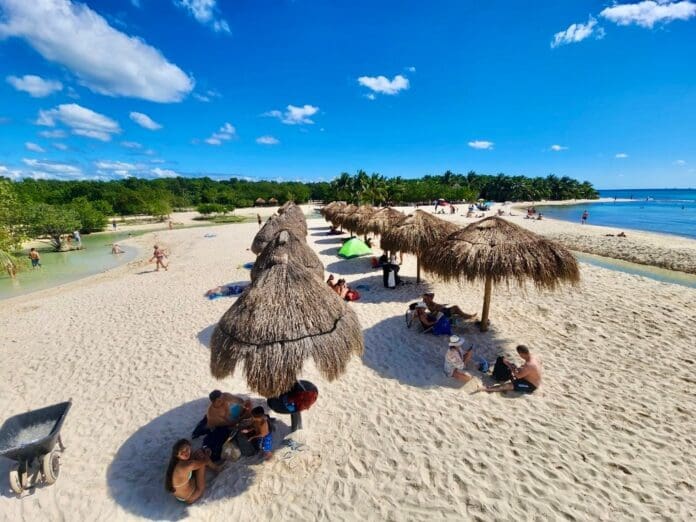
285, 206
415, 233
339, 217
275, 224
353, 221
287, 247
381, 221
329, 210
294, 215
495, 250
273, 330
260, 201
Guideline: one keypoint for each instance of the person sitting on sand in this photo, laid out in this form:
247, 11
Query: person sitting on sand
526, 378
226, 409
456, 359
159, 255
540, 216
260, 432
185, 477
448, 311
426, 319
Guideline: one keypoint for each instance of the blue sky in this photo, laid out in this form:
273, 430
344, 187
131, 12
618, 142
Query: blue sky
281, 89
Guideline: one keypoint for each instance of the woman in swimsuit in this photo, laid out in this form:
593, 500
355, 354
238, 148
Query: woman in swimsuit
186, 472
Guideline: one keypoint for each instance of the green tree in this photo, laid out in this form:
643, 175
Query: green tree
92, 219
51, 221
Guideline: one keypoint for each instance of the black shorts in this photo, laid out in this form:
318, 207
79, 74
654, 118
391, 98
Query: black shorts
523, 386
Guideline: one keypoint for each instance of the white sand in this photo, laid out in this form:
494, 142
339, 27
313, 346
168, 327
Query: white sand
610, 435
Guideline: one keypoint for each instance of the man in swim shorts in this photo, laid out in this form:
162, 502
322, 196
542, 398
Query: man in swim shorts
526, 378
448, 311
226, 409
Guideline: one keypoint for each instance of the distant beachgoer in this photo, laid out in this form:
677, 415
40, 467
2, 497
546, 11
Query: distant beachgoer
368, 242
113, 224
35, 258
540, 216
456, 359
170, 224
159, 255
259, 220
621, 234
115, 249
585, 215
260, 432
77, 238
185, 477
448, 311
526, 378
330, 281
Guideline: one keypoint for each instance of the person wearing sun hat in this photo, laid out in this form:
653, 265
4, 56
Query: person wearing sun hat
456, 359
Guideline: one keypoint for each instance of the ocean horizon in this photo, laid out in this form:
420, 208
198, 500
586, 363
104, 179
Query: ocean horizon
666, 211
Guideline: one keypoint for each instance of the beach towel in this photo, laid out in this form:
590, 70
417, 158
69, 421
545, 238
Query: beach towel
227, 291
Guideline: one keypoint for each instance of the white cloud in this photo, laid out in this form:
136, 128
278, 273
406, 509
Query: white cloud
577, 33
481, 144
131, 145
157, 160
295, 115
104, 59
384, 85
60, 146
53, 134
144, 121
226, 133
33, 147
411, 69
164, 173
204, 11
114, 165
621, 155
558, 148
51, 168
10, 173
648, 13
370, 96
82, 121
267, 140
680, 163
36, 86
207, 96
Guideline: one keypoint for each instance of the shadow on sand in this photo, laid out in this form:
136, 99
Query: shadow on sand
136, 474
356, 265
333, 240
205, 334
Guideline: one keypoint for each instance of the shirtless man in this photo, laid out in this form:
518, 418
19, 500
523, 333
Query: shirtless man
448, 311
226, 409
526, 378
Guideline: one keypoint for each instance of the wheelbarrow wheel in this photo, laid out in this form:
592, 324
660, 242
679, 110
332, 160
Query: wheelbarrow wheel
16, 480
50, 467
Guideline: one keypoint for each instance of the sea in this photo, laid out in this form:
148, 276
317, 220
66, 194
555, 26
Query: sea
667, 211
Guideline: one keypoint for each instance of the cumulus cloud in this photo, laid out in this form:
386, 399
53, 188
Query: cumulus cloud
577, 33
13, 174
60, 146
114, 165
384, 85
648, 13
267, 140
621, 155
58, 133
144, 121
33, 147
164, 173
481, 144
131, 145
82, 121
680, 163
226, 133
558, 148
205, 12
295, 115
104, 59
36, 86
44, 168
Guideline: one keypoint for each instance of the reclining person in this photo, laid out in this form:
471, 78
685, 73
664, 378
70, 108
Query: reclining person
448, 311
426, 319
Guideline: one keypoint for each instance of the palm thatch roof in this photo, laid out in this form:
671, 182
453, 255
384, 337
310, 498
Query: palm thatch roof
272, 331
273, 201
329, 210
340, 215
381, 221
285, 206
260, 201
353, 221
416, 232
496, 250
294, 215
286, 247
275, 224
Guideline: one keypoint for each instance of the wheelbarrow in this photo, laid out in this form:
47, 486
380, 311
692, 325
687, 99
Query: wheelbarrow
29, 439
300, 397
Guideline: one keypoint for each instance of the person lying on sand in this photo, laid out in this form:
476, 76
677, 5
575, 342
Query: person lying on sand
526, 378
185, 477
448, 311
226, 409
260, 432
344, 291
456, 359
330, 282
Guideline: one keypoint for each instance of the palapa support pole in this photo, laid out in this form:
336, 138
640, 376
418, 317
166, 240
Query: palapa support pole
486, 303
296, 421
417, 270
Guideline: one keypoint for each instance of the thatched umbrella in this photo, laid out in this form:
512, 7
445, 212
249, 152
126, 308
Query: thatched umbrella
340, 216
285, 206
415, 233
287, 315
382, 220
260, 201
353, 221
287, 245
273, 201
330, 210
496, 250
293, 214
275, 224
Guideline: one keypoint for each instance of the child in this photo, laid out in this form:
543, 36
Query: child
35, 258
261, 431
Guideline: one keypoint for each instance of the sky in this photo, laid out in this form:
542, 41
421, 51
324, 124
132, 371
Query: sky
307, 89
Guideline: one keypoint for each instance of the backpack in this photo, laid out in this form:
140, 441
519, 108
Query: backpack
501, 372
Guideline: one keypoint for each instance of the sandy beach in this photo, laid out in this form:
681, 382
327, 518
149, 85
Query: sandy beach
609, 435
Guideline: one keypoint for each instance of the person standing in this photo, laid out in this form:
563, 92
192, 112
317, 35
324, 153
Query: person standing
585, 215
159, 256
260, 221
77, 238
35, 258
113, 224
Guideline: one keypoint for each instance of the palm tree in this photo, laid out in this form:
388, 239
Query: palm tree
375, 189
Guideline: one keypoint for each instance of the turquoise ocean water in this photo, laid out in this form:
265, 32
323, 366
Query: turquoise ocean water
667, 211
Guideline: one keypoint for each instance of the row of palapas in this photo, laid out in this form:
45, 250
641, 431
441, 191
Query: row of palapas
286, 315
492, 250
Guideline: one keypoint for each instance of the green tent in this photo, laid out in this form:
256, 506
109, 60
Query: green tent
354, 248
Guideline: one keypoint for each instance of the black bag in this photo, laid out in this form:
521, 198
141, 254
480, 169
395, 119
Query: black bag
501, 373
